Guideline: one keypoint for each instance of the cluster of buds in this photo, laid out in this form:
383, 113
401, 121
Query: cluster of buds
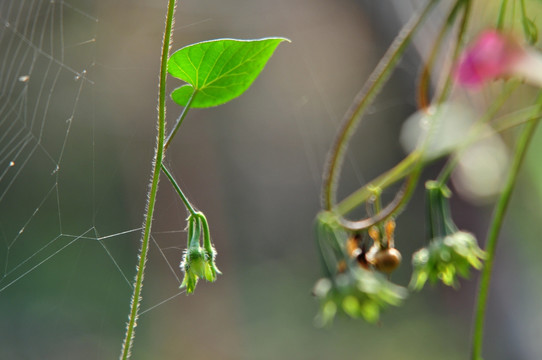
359, 293
450, 252
494, 55
357, 281
198, 262
445, 258
357, 284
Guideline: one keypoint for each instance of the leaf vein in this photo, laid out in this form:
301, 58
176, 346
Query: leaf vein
245, 61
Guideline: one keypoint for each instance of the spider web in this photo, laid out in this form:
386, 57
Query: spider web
63, 225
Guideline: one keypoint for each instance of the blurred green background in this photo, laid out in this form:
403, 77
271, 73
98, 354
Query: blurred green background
72, 202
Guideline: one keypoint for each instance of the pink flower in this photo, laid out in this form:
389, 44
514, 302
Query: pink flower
494, 55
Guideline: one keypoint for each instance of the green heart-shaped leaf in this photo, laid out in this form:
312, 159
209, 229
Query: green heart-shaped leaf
218, 71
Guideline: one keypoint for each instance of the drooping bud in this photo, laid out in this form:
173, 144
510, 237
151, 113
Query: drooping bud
450, 252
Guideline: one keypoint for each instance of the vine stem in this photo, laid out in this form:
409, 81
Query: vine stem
425, 76
502, 13
177, 188
157, 165
180, 120
496, 224
398, 172
409, 164
459, 43
363, 99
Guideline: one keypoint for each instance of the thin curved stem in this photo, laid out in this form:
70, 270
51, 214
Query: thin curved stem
401, 199
398, 172
382, 215
206, 233
509, 122
491, 244
445, 91
425, 77
180, 120
502, 13
409, 164
158, 157
377, 79
177, 188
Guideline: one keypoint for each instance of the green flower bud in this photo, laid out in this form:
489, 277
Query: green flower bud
190, 281
358, 293
450, 252
198, 264
211, 270
445, 258
194, 265
196, 261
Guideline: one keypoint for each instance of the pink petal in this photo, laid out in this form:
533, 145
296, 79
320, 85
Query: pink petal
491, 56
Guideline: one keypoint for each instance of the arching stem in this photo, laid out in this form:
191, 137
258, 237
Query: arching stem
377, 79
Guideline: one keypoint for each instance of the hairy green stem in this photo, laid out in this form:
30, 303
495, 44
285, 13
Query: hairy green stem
157, 164
491, 244
377, 79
